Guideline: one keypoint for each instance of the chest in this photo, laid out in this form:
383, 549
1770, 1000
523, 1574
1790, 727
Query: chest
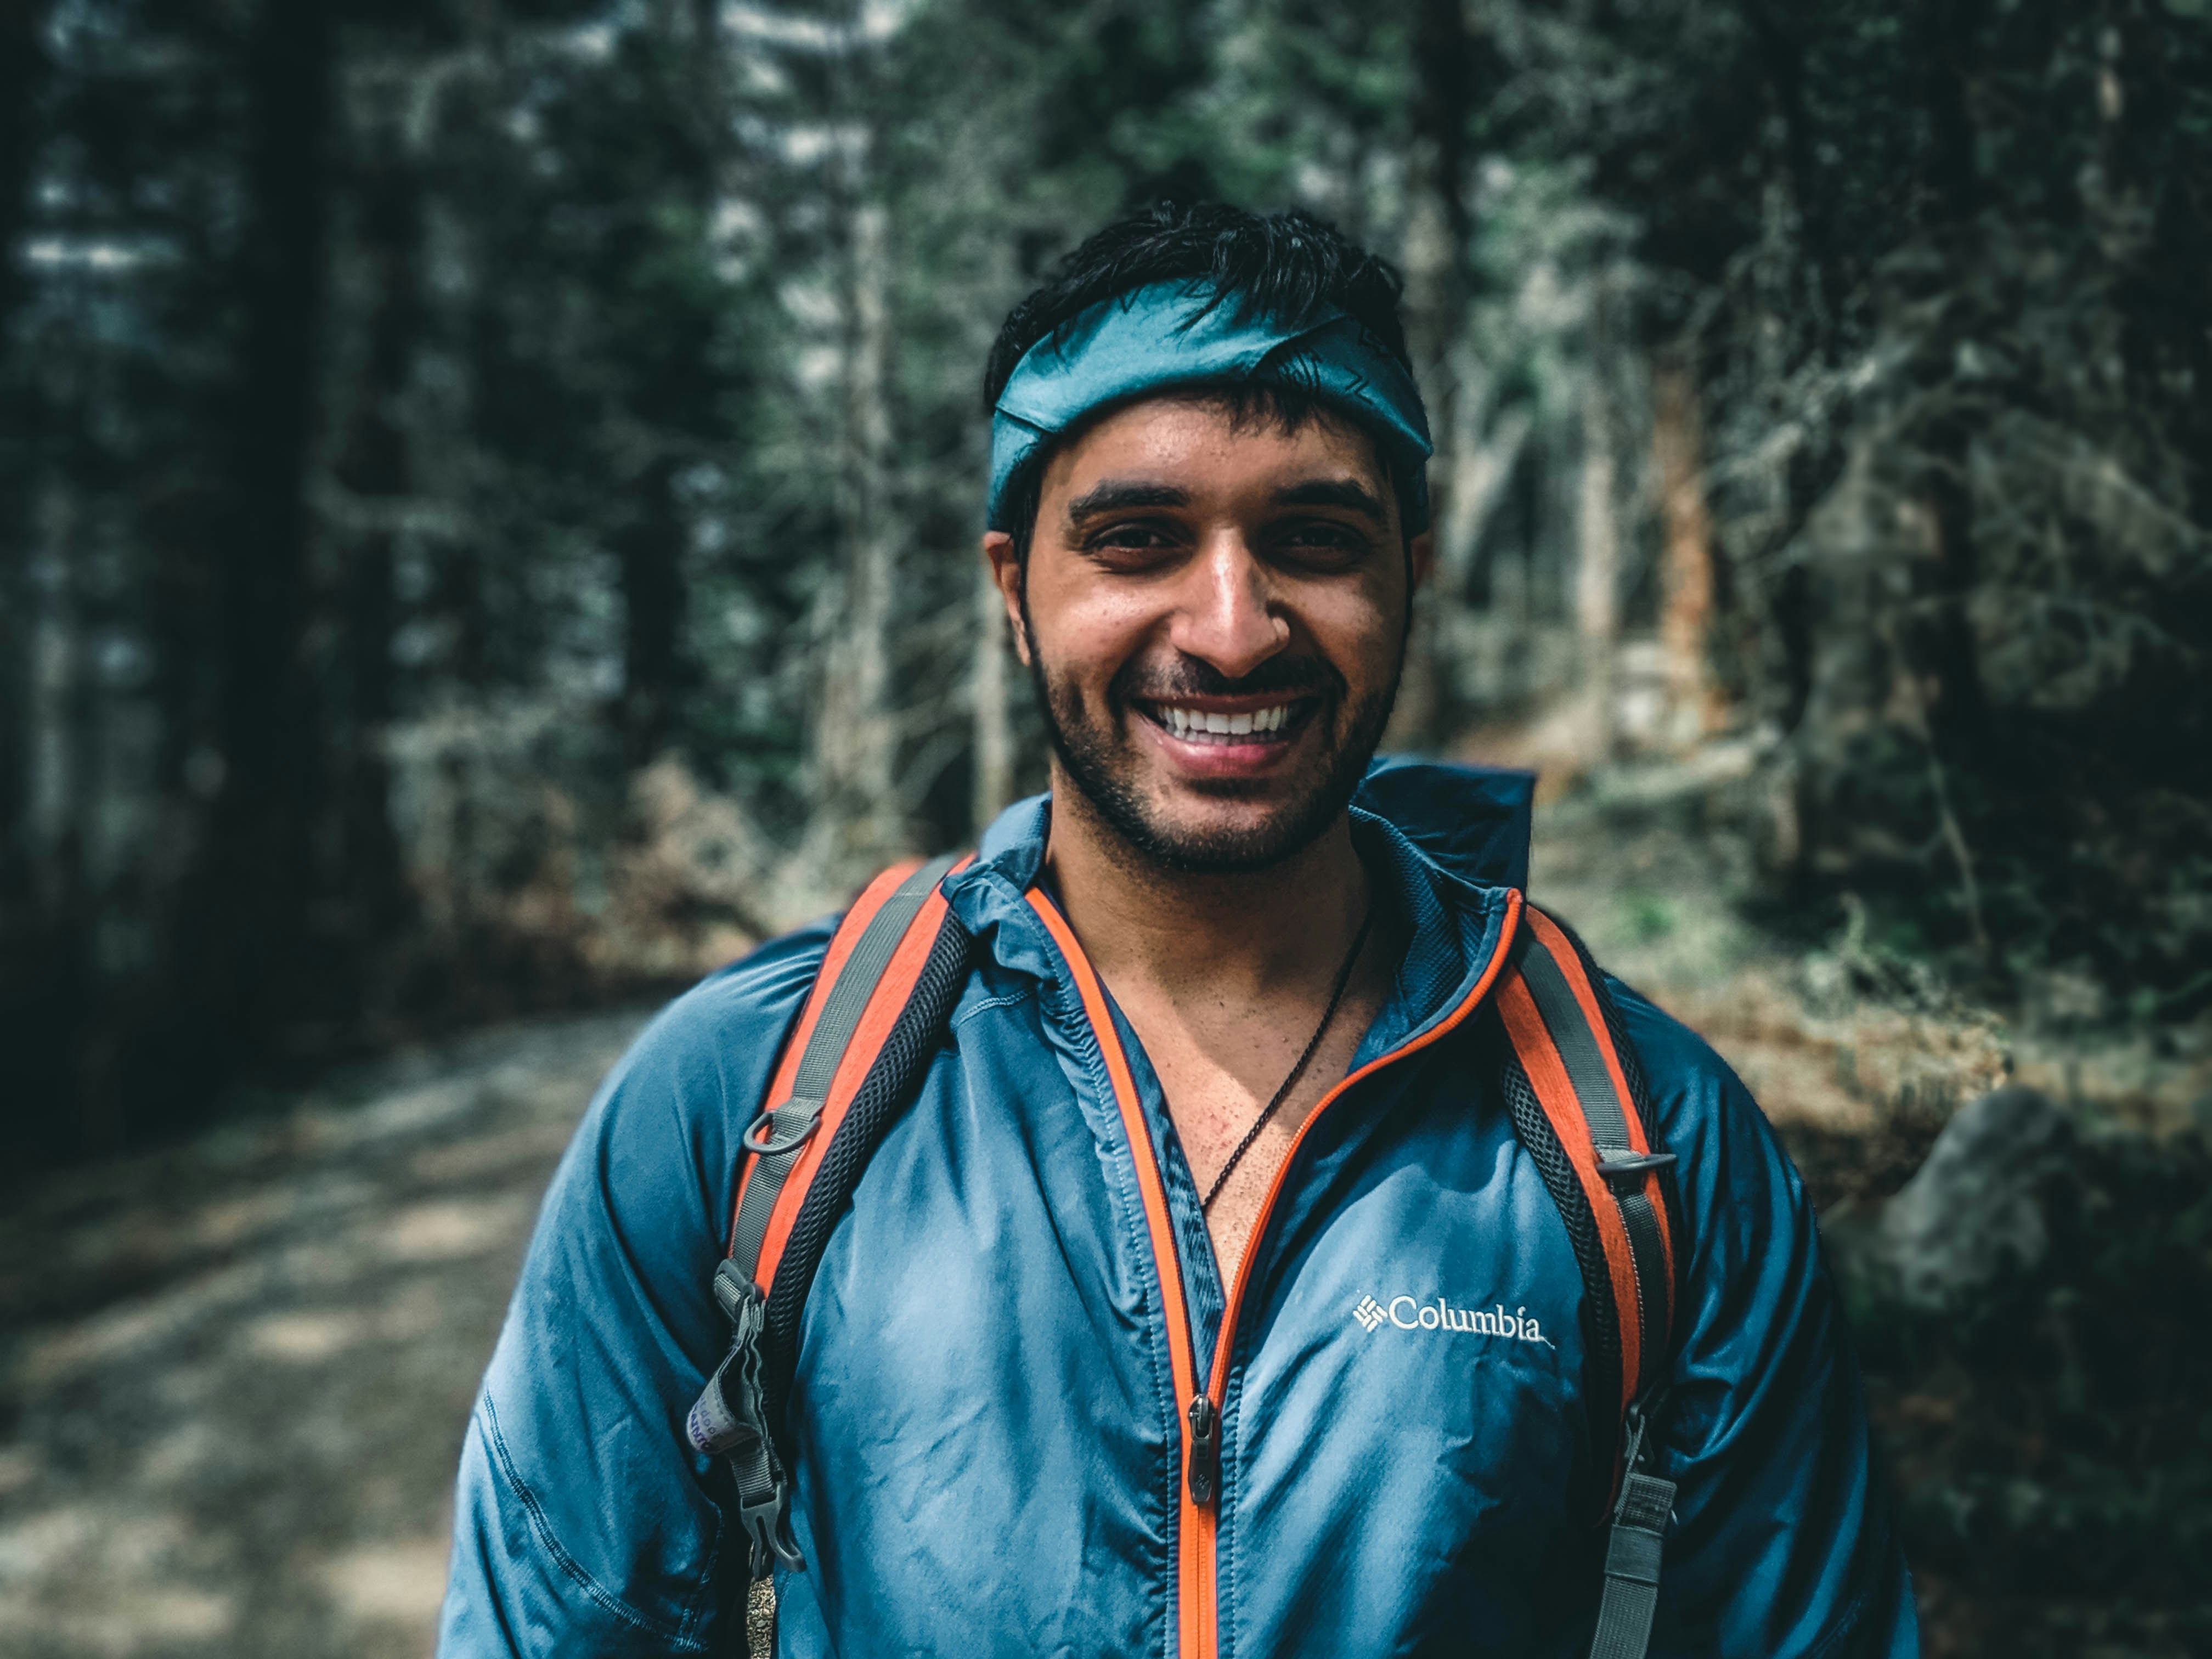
1239, 1081
997, 1344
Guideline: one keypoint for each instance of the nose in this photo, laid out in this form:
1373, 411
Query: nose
1224, 619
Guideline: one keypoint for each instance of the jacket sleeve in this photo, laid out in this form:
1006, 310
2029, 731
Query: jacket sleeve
1783, 1543
583, 1523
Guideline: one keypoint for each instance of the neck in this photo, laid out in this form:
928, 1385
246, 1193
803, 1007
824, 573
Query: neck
1256, 931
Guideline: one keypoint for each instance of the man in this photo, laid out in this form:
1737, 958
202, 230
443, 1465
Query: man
1216, 1120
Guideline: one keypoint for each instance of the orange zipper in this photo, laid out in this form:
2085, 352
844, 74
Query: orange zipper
1196, 1622
1191, 1565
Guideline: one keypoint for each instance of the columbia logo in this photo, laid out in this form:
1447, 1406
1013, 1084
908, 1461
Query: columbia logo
1408, 1315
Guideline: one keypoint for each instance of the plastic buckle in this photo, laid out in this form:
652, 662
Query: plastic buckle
1642, 1451
730, 1421
768, 1524
1620, 1163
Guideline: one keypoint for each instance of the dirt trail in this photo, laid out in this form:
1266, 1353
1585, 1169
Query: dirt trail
235, 1374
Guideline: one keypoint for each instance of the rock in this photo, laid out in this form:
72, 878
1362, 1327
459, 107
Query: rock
1981, 1211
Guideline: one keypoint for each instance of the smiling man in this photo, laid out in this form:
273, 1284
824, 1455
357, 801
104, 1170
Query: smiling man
1280, 1239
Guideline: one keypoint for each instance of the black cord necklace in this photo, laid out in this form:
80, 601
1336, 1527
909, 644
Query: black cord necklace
1298, 1071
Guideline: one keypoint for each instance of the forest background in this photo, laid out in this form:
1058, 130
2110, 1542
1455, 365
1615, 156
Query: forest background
488, 496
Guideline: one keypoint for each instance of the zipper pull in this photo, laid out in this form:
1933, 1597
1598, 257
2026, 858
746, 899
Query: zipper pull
1205, 1451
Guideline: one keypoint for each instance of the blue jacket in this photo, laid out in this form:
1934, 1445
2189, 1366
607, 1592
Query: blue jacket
985, 1411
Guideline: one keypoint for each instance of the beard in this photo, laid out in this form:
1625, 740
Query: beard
1105, 765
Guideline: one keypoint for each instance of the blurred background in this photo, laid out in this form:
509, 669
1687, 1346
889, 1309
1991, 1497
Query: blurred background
488, 498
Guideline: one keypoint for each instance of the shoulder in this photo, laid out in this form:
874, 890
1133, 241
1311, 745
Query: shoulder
1734, 1174
726, 1029
1677, 1061
612, 1330
765, 985
660, 1140
641, 1201
1778, 1540
1692, 1087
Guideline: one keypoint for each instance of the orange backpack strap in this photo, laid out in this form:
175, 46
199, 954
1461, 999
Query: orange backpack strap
1589, 1125
1577, 1093
877, 1012
874, 960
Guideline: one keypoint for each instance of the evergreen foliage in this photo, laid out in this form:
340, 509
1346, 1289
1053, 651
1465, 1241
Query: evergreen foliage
423, 422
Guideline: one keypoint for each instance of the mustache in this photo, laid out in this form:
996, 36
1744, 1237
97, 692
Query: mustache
1189, 676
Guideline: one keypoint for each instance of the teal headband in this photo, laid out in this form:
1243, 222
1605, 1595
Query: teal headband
1163, 337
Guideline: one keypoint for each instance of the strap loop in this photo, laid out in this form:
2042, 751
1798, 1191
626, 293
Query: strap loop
732, 1290
751, 1141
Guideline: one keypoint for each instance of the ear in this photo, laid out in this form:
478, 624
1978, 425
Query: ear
1421, 557
1007, 573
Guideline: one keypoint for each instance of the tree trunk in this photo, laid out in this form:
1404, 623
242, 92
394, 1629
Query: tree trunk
375, 467
23, 73
857, 819
1436, 254
58, 1000
1687, 600
1597, 571
1482, 477
1441, 229
14, 715
1942, 638
709, 90
651, 551
1950, 29
1782, 63
987, 689
244, 951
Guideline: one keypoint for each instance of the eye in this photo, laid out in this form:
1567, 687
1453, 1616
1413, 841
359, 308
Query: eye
1322, 542
1132, 541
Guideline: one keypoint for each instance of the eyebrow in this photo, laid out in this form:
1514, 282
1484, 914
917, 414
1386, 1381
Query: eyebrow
1346, 493
1120, 494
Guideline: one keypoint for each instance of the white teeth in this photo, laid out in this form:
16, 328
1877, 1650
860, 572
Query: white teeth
1184, 722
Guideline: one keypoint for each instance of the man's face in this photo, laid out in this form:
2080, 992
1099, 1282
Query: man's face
1215, 611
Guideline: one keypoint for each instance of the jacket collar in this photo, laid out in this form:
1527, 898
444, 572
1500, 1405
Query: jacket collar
1443, 844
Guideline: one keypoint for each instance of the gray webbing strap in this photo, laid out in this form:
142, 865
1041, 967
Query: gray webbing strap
792, 1124
731, 1418
1636, 1541
1631, 1568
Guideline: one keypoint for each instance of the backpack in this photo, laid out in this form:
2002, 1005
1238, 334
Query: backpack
880, 1007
